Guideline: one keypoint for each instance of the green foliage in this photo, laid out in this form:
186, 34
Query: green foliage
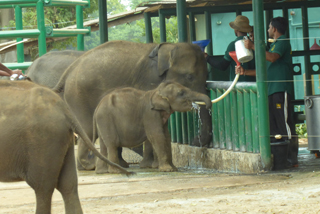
301, 130
59, 17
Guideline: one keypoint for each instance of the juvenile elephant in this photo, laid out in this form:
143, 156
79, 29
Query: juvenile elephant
127, 117
127, 64
36, 143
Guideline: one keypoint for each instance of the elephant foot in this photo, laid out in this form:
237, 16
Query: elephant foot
146, 163
168, 168
85, 164
114, 170
101, 170
155, 164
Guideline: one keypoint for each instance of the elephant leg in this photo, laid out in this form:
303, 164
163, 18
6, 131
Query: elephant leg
101, 166
122, 162
113, 156
162, 149
68, 184
148, 158
205, 131
85, 159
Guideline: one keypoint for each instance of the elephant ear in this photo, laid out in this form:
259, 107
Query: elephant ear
164, 57
160, 103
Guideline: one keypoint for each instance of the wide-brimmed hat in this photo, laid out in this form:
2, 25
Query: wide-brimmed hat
241, 23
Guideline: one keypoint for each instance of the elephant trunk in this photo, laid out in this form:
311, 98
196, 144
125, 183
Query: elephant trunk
203, 100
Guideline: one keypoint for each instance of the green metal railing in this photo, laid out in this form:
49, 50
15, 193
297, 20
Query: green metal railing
42, 32
235, 124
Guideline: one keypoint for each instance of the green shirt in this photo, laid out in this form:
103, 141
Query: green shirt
280, 73
247, 65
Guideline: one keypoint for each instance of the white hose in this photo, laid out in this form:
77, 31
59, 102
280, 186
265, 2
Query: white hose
225, 93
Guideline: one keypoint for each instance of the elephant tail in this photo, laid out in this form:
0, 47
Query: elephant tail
79, 130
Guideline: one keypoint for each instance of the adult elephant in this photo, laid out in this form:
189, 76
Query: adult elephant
127, 64
47, 69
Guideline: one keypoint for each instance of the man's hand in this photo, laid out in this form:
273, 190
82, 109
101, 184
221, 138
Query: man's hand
240, 70
248, 44
17, 71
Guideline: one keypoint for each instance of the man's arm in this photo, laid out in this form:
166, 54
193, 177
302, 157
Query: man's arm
271, 57
220, 64
4, 71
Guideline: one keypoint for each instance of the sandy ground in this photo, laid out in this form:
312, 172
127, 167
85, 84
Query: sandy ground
294, 190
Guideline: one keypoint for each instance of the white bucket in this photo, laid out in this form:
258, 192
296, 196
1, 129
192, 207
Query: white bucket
243, 54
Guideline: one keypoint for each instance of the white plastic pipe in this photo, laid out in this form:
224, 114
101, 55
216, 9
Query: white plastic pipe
225, 93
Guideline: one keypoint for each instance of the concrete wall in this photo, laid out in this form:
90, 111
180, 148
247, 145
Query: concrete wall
221, 160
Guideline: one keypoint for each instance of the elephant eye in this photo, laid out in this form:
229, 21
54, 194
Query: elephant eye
181, 93
189, 77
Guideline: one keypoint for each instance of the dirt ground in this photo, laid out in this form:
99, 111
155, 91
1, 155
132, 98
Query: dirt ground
295, 190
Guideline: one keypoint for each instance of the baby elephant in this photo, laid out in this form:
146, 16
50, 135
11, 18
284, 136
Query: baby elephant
37, 143
127, 117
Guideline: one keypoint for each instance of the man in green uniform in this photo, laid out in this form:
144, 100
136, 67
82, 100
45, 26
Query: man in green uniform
241, 28
280, 86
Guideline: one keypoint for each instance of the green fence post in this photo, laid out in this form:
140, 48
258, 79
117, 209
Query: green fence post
241, 130
162, 26
147, 21
103, 21
255, 125
182, 21
190, 127
220, 107
260, 57
42, 28
19, 26
247, 120
80, 37
173, 127
227, 119
214, 119
184, 127
234, 120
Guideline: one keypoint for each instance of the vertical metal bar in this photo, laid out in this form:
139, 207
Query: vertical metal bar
103, 21
178, 127
247, 120
190, 127
184, 127
227, 119
260, 56
286, 16
238, 12
215, 121
269, 16
234, 121
255, 121
182, 21
147, 21
222, 136
209, 36
305, 29
80, 37
173, 128
196, 122
162, 23
41, 27
19, 26
241, 130
192, 27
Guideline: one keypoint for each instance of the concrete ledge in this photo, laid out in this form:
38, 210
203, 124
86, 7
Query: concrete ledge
221, 160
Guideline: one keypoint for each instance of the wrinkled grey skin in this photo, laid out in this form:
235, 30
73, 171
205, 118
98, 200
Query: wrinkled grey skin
127, 117
47, 69
127, 64
37, 143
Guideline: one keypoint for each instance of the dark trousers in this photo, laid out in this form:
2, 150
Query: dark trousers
281, 122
